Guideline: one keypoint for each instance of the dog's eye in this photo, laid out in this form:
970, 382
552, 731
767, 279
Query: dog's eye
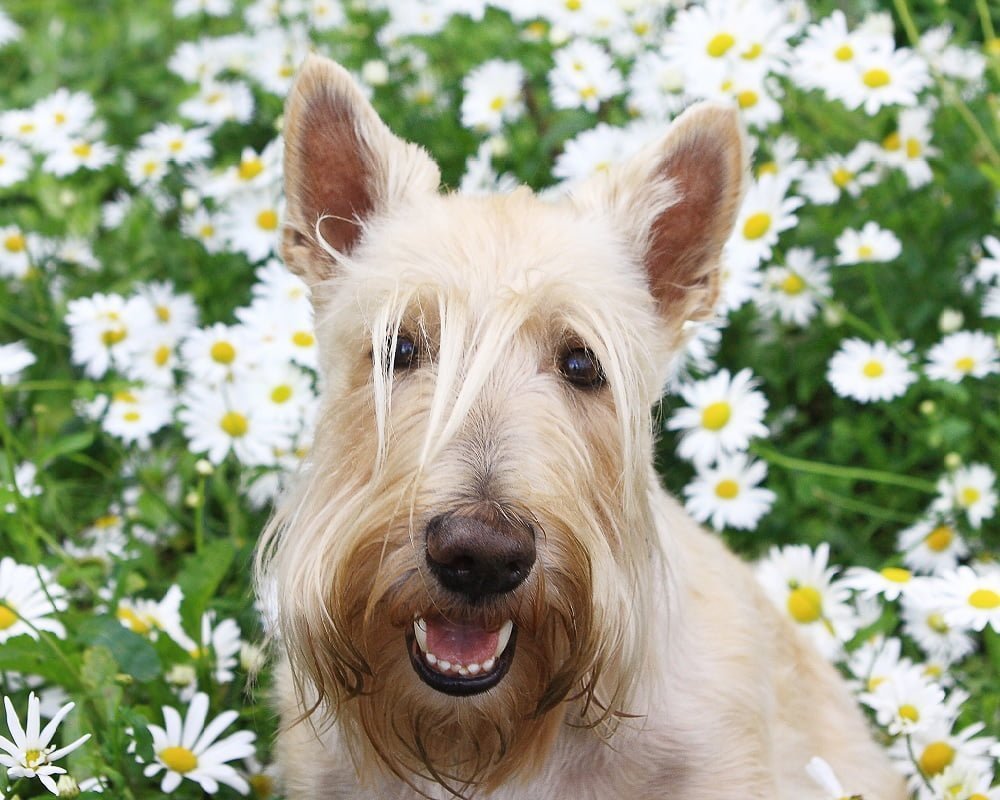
406, 353
581, 368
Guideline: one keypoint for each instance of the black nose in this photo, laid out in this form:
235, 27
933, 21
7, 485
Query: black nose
479, 558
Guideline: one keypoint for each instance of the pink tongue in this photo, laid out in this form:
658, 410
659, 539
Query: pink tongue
460, 643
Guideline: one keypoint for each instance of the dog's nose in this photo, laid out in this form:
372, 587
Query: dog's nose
479, 558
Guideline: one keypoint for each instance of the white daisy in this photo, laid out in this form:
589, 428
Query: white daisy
886, 76
721, 417
888, 582
492, 95
28, 754
187, 749
795, 291
869, 372
251, 222
963, 354
218, 353
909, 146
906, 703
924, 610
970, 489
28, 598
727, 495
15, 163
972, 597
932, 545
71, 155
219, 101
835, 176
14, 359
869, 245
224, 642
149, 617
102, 329
805, 589
766, 212
134, 415
583, 76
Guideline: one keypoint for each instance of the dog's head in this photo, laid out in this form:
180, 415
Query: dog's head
470, 544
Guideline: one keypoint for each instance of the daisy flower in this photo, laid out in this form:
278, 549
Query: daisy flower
962, 354
889, 582
905, 703
218, 353
101, 329
886, 76
969, 489
869, 245
972, 598
219, 101
14, 359
909, 146
823, 776
149, 617
9, 30
15, 163
987, 269
28, 598
722, 415
656, 86
794, 292
74, 154
932, 546
583, 76
806, 591
28, 753
869, 372
15, 252
492, 95
965, 782
728, 495
224, 643
877, 660
189, 749
835, 176
133, 415
936, 748
254, 172
924, 620
177, 144
766, 212
251, 222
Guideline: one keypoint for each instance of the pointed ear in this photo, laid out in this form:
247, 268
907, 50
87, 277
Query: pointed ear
343, 167
677, 201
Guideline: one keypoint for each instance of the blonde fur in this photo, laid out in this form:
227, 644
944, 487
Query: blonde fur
648, 662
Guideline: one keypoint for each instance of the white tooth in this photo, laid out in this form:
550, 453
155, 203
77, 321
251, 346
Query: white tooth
431, 658
463, 671
474, 669
444, 666
420, 632
488, 664
503, 638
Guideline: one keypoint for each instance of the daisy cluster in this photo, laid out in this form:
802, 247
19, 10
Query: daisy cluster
837, 418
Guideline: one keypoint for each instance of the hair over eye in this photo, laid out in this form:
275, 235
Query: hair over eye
405, 353
579, 367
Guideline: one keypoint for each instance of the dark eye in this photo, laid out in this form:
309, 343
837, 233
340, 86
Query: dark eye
581, 368
405, 355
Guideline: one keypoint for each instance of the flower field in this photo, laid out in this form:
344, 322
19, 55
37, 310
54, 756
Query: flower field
838, 422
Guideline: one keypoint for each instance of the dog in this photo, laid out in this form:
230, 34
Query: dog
483, 589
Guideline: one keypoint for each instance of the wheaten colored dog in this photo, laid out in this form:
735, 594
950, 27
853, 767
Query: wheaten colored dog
483, 589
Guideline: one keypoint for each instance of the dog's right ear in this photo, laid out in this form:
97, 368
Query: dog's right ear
343, 167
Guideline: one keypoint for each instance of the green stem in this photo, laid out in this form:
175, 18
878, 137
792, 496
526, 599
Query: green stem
860, 507
846, 473
889, 330
859, 324
199, 517
990, 36
40, 386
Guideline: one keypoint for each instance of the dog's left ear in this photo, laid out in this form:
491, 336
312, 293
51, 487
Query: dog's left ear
676, 201
343, 167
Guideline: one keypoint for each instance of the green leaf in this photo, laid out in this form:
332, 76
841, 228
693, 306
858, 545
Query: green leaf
66, 445
200, 577
98, 676
24, 654
135, 656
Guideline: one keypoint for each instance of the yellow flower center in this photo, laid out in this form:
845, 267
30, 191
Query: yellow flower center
497, 103
262, 786
176, 145
573, 5
752, 52
286, 71
34, 758
876, 78
132, 416
873, 369
112, 336
969, 496
588, 92
720, 44
984, 599
865, 251
747, 98
149, 168
206, 231
250, 168
135, 623
281, 394
844, 53
223, 353
896, 574
303, 339
756, 225
14, 243
913, 148
234, 424
965, 364
59, 117
936, 623
161, 356
805, 604
793, 284
727, 489
124, 396
268, 220
768, 168
841, 177
163, 313
83, 149
940, 538
178, 759
936, 756
107, 521
892, 142
909, 712
715, 415
7, 615
874, 682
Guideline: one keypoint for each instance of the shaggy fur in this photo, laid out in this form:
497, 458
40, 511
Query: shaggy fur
648, 663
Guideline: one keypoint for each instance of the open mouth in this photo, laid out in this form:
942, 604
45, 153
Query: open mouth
460, 658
